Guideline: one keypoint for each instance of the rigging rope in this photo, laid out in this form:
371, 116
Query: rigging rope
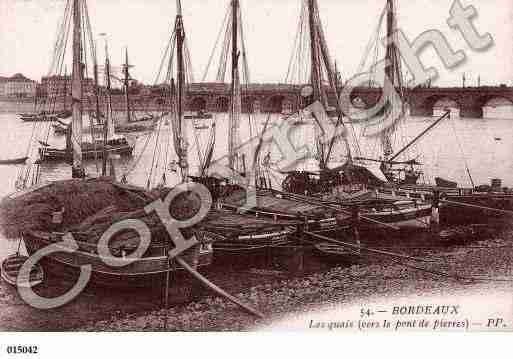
210, 59
462, 151
221, 72
294, 46
245, 67
155, 150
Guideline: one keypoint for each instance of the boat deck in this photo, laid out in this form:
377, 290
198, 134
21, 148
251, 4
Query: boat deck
271, 203
229, 224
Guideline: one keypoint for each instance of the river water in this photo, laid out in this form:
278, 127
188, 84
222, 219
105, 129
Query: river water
483, 145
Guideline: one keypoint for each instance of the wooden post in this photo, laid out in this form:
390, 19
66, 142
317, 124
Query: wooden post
112, 168
166, 286
435, 212
295, 253
301, 255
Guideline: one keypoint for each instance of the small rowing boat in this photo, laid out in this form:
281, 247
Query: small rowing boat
441, 182
14, 161
11, 267
337, 253
41, 117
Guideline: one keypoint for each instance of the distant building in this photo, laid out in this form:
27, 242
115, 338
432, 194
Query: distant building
55, 85
155, 90
17, 86
3, 85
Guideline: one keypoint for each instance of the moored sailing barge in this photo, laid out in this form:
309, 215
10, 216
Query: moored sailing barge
90, 151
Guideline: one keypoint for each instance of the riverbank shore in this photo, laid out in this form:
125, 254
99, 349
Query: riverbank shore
277, 294
482, 264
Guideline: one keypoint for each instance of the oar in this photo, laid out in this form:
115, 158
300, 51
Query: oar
476, 207
215, 288
344, 244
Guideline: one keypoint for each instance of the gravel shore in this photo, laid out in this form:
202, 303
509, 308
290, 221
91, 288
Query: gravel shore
448, 269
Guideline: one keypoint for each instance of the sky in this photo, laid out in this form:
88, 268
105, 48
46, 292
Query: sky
28, 29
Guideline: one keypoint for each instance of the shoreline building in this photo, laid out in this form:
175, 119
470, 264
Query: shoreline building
56, 85
17, 86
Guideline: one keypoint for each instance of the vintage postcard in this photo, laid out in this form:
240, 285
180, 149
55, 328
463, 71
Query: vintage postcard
243, 165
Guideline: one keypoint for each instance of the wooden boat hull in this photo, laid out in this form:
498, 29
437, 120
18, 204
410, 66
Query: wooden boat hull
280, 207
45, 118
244, 238
410, 218
54, 154
392, 206
207, 116
136, 126
10, 270
146, 272
141, 125
324, 224
455, 214
257, 241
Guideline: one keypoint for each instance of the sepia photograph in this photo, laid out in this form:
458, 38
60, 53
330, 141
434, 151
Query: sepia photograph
272, 166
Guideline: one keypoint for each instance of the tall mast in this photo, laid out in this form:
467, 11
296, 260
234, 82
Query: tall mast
235, 26
393, 70
390, 67
77, 170
314, 54
96, 91
337, 79
127, 85
235, 92
180, 36
108, 125
65, 87
391, 73
319, 53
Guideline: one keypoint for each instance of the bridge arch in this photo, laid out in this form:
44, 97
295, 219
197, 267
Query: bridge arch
248, 104
289, 104
198, 103
275, 104
495, 106
222, 104
438, 104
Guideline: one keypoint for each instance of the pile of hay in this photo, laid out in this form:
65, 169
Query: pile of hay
184, 206
85, 204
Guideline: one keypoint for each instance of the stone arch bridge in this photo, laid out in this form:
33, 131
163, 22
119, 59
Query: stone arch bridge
278, 98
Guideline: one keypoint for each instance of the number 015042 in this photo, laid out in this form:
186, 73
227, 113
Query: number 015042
22, 349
